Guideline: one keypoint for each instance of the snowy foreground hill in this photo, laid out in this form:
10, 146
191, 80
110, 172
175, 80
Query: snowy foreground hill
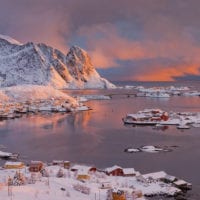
39, 64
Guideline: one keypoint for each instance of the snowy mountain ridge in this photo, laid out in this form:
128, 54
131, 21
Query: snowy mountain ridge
39, 64
9, 39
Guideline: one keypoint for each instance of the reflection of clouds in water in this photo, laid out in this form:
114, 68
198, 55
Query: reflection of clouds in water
40, 124
48, 122
80, 124
44, 119
2, 122
155, 99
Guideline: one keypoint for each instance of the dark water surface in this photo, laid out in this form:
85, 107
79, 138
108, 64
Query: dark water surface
99, 137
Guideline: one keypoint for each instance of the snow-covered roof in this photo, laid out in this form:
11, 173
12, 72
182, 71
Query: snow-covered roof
148, 110
14, 163
156, 175
110, 169
170, 178
181, 182
58, 161
82, 172
36, 162
128, 171
137, 116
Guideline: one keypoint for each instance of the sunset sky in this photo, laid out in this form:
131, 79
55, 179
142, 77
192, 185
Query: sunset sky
145, 40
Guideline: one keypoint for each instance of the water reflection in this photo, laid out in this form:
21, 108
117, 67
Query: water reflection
162, 128
79, 121
99, 136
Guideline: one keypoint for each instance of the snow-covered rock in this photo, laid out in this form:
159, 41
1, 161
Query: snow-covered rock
39, 64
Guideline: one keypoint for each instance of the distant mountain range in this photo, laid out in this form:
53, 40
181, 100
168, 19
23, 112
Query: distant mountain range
39, 64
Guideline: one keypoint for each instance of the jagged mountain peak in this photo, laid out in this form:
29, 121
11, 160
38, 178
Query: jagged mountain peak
40, 64
78, 51
79, 64
79, 57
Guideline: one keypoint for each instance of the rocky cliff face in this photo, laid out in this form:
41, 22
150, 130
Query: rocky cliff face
39, 64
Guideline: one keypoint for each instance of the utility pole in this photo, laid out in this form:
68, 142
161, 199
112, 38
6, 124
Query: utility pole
48, 182
99, 195
10, 187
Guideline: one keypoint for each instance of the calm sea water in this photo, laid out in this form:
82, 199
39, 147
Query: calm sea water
99, 137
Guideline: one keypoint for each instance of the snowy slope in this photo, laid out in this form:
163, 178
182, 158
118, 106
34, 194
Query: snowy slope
32, 92
9, 39
39, 64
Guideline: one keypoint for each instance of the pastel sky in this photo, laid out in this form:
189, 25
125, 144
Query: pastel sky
144, 40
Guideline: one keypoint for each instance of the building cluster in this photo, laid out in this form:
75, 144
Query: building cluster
115, 182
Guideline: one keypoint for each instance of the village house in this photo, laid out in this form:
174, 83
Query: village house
129, 172
67, 164
14, 165
58, 162
36, 166
83, 173
118, 195
114, 171
156, 175
160, 176
105, 185
61, 163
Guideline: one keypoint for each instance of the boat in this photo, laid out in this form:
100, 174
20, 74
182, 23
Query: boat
7, 155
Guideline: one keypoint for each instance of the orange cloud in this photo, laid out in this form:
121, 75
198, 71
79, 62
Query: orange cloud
167, 74
111, 47
115, 30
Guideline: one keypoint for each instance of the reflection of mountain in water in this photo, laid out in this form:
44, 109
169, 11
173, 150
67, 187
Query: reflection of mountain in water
79, 122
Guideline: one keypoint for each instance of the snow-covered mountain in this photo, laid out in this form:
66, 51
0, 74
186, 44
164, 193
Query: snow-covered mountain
39, 64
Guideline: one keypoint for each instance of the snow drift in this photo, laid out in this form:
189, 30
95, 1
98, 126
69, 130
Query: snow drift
32, 92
